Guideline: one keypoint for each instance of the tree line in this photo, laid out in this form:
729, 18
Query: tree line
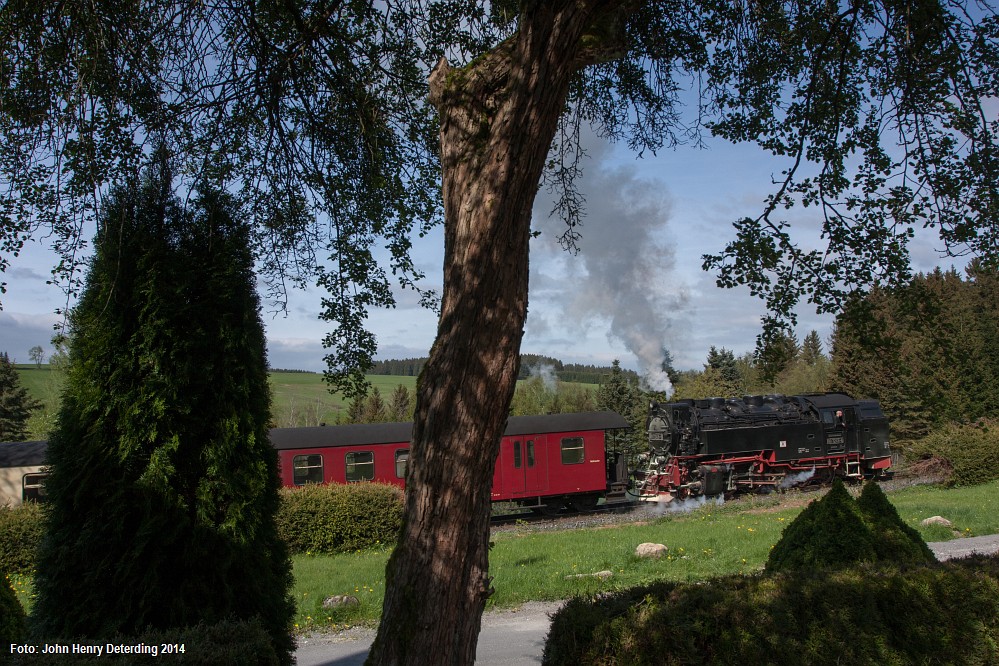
530, 364
925, 349
783, 366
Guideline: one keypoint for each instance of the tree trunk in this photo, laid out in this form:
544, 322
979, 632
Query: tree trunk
498, 118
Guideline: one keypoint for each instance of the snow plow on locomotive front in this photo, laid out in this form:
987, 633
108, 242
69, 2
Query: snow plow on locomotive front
725, 446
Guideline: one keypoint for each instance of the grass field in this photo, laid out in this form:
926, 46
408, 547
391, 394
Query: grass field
300, 398
713, 541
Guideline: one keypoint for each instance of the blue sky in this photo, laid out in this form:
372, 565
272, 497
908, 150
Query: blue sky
635, 286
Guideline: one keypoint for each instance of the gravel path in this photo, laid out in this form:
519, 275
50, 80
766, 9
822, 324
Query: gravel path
956, 548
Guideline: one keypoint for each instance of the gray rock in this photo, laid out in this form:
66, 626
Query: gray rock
341, 601
602, 575
936, 520
651, 551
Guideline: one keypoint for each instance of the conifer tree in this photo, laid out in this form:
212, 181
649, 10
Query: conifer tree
164, 485
811, 348
723, 360
375, 410
620, 395
775, 351
401, 404
355, 410
15, 403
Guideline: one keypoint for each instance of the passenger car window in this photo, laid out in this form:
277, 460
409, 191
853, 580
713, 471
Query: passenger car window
308, 469
401, 460
572, 450
360, 466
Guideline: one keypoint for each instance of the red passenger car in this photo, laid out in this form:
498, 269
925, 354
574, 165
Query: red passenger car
545, 462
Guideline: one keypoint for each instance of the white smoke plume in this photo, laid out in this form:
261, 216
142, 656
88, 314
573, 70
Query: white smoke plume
663, 506
792, 480
546, 372
622, 272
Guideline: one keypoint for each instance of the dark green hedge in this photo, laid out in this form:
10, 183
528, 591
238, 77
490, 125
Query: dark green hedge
21, 531
867, 615
339, 518
230, 643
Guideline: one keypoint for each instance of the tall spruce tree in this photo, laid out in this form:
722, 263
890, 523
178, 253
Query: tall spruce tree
811, 348
15, 403
401, 404
164, 485
619, 394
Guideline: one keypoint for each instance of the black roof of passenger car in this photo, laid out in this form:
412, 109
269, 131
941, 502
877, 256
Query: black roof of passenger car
29, 454
23, 454
387, 433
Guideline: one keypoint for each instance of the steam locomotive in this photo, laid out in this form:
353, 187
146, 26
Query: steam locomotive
719, 446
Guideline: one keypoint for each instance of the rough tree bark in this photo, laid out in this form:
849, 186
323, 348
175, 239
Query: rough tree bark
498, 118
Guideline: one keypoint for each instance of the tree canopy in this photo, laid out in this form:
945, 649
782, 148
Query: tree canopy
926, 350
316, 113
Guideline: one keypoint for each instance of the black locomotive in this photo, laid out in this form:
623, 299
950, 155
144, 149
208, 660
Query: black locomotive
716, 446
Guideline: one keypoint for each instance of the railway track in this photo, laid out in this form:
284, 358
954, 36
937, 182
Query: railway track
595, 515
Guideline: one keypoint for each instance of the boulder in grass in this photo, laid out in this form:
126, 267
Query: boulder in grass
653, 551
341, 601
936, 520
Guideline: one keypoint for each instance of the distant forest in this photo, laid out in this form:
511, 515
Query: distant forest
530, 365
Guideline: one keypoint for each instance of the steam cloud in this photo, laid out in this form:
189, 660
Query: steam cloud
792, 480
546, 373
621, 273
686, 505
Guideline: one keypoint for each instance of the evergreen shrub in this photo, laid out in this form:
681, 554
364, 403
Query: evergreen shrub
340, 518
972, 451
837, 531
895, 541
163, 484
11, 615
865, 615
227, 643
21, 531
16, 405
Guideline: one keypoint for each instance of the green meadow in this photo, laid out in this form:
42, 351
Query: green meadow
300, 398
304, 399
533, 565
